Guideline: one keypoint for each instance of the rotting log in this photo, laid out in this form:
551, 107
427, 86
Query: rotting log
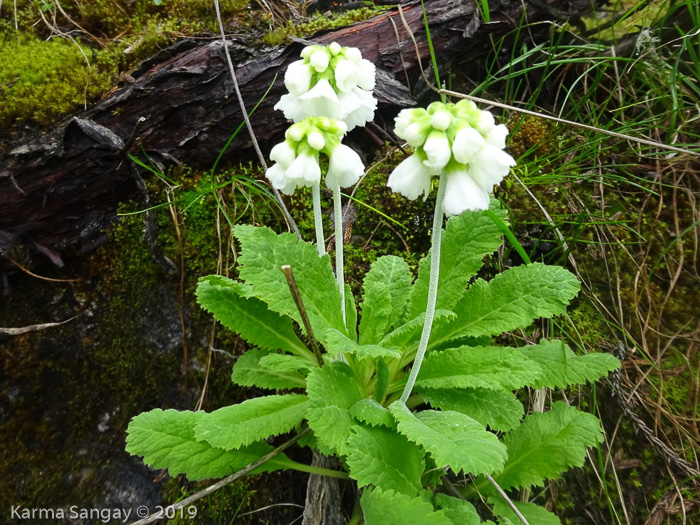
59, 189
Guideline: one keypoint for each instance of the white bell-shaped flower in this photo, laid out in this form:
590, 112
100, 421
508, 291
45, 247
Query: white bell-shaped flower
437, 149
316, 140
352, 53
321, 100
485, 122
317, 83
497, 136
416, 134
441, 120
334, 48
459, 141
489, 166
358, 106
466, 144
292, 107
297, 78
345, 167
305, 170
366, 74
346, 75
462, 193
411, 178
319, 60
284, 154
402, 121
277, 175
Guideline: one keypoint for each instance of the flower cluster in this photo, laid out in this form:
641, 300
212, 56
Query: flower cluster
458, 140
332, 81
297, 158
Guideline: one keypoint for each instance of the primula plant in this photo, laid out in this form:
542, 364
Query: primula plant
409, 390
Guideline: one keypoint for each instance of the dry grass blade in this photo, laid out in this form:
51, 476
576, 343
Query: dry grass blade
33, 328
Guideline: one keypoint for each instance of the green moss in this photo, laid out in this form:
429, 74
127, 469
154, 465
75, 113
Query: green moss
43, 77
221, 507
43, 80
319, 22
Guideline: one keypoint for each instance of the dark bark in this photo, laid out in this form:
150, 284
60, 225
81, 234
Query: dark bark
59, 190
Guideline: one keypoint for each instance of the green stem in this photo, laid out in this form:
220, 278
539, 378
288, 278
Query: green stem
301, 467
356, 517
318, 219
339, 241
432, 289
415, 400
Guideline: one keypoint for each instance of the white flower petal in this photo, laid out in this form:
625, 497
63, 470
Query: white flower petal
497, 136
437, 149
307, 51
284, 154
416, 133
485, 122
334, 48
321, 101
352, 53
359, 106
292, 107
489, 166
410, 178
316, 141
319, 60
346, 74
297, 79
279, 180
366, 75
345, 167
305, 170
462, 193
441, 120
466, 144
402, 121
297, 131
339, 127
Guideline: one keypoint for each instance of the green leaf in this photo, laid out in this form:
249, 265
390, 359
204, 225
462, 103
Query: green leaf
547, 444
468, 237
248, 371
387, 286
263, 253
491, 367
452, 439
252, 420
512, 299
385, 507
498, 409
332, 390
166, 439
369, 412
381, 457
381, 386
458, 511
407, 336
533, 513
286, 363
247, 316
561, 367
337, 343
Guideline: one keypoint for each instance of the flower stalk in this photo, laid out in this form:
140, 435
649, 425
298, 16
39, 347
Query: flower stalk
436, 240
318, 219
339, 241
